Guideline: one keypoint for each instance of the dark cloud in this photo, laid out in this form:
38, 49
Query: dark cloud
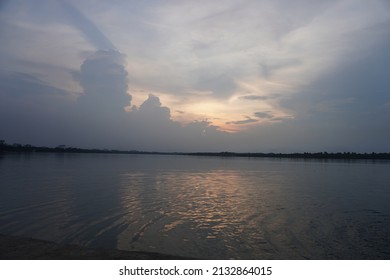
344, 108
31, 111
3, 3
103, 78
151, 110
246, 121
357, 87
150, 127
26, 85
259, 97
254, 97
102, 120
263, 115
24, 98
258, 115
153, 103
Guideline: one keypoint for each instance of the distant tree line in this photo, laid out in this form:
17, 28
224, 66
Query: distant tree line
320, 155
5, 147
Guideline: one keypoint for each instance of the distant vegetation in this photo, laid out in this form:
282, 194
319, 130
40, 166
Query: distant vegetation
19, 148
4, 147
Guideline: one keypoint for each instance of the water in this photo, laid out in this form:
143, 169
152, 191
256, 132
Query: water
202, 207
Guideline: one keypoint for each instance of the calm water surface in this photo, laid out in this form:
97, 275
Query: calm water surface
202, 207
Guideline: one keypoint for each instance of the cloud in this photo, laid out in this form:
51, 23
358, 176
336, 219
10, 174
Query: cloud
152, 110
254, 97
221, 85
269, 50
102, 119
267, 69
150, 127
89, 29
246, 121
32, 111
26, 85
24, 94
281, 75
356, 86
3, 3
260, 118
259, 97
103, 77
263, 115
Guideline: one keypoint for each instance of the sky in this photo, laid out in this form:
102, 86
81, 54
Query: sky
196, 76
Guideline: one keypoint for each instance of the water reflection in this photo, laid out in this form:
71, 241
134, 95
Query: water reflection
182, 209
200, 207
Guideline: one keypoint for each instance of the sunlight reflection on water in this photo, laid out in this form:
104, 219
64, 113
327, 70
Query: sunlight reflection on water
200, 207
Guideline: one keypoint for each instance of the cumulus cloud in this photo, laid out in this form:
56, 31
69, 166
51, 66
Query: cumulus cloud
103, 77
101, 118
153, 108
150, 127
303, 74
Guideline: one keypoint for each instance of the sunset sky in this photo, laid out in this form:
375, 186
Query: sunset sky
230, 75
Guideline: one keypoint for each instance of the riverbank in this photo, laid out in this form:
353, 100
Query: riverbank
62, 149
22, 248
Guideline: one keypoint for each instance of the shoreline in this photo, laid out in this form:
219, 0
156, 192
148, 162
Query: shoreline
24, 248
63, 149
